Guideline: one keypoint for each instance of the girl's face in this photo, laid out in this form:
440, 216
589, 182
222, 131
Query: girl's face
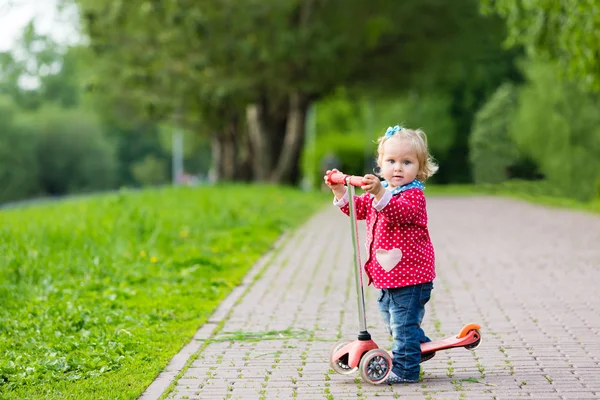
399, 162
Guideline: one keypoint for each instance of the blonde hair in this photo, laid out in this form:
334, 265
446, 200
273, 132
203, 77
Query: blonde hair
418, 138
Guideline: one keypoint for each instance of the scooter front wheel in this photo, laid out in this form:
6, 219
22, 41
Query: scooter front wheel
375, 366
475, 344
340, 365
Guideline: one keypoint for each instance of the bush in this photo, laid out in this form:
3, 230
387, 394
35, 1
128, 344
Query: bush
340, 113
72, 152
429, 112
348, 129
345, 152
557, 124
150, 171
18, 163
491, 150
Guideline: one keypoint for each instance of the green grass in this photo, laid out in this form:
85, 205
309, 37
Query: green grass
98, 294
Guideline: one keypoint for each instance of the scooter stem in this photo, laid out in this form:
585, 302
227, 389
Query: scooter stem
360, 294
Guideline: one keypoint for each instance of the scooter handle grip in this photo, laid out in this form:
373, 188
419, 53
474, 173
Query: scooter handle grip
338, 177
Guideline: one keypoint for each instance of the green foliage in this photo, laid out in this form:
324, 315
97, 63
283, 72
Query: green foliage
340, 113
492, 150
196, 150
242, 52
150, 171
99, 294
345, 152
340, 138
18, 163
43, 78
566, 32
72, 152
208, 60
38, 72
428, 111
64, 87
557, 124
133, 145
348, 129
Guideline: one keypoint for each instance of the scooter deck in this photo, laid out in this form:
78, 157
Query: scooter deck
469, 335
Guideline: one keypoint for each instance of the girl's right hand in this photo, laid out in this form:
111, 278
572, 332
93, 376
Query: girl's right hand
332, 186
339, 189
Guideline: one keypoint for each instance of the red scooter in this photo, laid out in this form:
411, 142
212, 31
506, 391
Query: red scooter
375, 364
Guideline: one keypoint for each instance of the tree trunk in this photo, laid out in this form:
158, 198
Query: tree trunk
225, 162
287, 164
229, 153
215, 172
259, 142
245, 167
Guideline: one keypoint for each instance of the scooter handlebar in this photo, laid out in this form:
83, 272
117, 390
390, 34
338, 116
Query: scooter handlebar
338, 177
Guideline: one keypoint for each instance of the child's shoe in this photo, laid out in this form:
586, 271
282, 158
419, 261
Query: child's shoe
393, 378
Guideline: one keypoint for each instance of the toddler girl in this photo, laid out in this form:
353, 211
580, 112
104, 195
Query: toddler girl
400, 258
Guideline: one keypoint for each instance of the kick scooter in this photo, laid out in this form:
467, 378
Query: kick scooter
375, 364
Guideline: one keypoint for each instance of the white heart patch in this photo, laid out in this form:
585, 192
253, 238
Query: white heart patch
388, 259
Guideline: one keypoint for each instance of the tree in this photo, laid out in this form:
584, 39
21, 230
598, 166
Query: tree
259, 64
40, 71
564, 31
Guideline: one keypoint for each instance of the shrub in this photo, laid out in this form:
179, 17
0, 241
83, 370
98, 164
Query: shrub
72, 151
345, 152
557, 124
150, 171
348, 129
492, 151
18, 164
429, 112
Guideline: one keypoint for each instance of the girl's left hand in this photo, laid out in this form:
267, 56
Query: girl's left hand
372, 184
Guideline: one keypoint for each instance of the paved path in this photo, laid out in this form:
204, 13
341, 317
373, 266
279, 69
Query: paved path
529, 275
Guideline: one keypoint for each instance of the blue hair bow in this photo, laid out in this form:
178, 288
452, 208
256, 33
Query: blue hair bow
391, 130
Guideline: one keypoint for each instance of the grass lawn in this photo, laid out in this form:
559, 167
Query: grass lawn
97, 294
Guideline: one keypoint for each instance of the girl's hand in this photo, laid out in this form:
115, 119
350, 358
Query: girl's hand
332, 186
338, 189
373, 185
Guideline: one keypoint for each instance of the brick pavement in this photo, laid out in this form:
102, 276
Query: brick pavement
527, 274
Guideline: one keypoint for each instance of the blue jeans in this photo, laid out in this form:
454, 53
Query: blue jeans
402, 310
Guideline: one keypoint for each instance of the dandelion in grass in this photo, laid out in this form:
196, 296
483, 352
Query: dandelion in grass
153, 259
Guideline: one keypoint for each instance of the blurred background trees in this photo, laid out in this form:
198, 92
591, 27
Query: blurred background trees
267, 90
564, 32
246, 73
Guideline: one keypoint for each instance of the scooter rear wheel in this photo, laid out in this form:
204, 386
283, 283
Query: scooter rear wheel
341, 365
375, 366
475, 344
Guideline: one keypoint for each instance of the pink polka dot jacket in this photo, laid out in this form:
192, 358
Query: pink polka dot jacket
399, 249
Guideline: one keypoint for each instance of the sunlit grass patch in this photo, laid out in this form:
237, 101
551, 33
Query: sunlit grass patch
99, 293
